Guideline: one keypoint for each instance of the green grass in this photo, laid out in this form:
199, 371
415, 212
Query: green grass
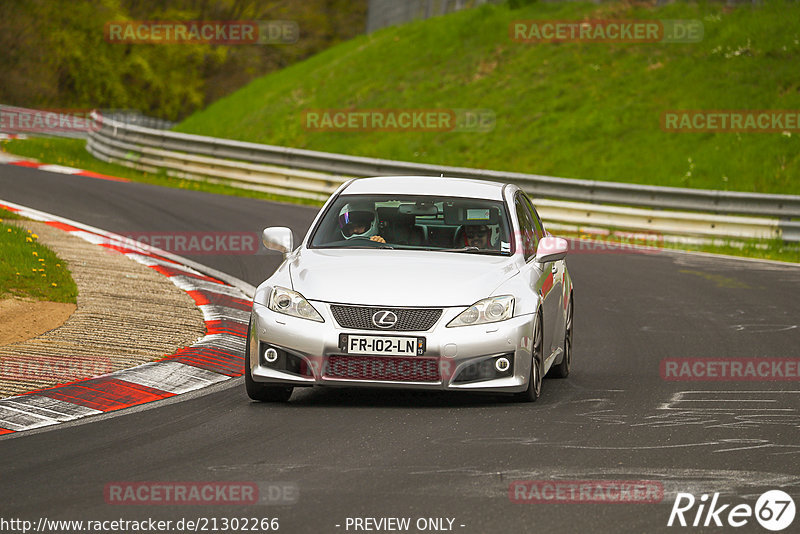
72, 153
580, 110
28, 269
768, 250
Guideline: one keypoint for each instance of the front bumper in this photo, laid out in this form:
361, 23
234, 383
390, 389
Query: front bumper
461, 358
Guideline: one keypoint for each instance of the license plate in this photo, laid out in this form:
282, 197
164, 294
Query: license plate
388, 345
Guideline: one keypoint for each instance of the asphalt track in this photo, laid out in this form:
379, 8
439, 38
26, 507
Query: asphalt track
386, 453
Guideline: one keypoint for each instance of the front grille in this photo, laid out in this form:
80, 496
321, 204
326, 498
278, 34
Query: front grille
382, 368
408, 319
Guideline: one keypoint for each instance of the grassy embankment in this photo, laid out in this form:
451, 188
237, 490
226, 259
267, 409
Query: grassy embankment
579, 110
29, 269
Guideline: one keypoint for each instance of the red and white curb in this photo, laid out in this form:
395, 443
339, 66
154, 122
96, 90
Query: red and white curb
10, 159
219, 356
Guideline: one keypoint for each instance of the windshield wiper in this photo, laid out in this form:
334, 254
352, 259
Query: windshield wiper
473, 249
365, 247
462, 249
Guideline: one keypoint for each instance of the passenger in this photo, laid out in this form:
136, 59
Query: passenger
478, 236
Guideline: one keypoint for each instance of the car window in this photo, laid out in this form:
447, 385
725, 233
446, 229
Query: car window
527, 232
538, 227
421, 222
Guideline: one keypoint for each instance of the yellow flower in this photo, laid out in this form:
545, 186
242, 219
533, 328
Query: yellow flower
17, 274
9, 229
35, 236
35, 253
44, 275
34, 270
54, 284
58, 265
27, 239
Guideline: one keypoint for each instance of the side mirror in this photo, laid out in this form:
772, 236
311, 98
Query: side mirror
551, 249
278, 238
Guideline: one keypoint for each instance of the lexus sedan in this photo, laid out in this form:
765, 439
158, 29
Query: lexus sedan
414, 282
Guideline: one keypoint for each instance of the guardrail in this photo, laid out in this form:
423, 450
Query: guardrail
312, 174
25, 122
130, 116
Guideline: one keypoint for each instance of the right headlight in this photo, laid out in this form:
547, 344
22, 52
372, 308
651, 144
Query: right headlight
292, 303
491, 310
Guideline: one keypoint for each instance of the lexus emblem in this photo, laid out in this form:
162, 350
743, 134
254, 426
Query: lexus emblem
384, 319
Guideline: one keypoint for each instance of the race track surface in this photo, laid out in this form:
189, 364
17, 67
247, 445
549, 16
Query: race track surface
385, 453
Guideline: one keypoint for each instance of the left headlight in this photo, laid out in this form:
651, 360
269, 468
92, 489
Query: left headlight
292, 303
484, 311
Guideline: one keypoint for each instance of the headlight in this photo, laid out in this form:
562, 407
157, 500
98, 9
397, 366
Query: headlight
484, 311
292, 303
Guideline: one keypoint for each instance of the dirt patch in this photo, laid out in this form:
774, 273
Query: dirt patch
22, 319
127, 315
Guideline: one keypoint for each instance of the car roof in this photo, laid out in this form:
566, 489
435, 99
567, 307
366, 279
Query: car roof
427, 185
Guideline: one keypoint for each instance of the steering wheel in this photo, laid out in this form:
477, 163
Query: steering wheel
362, 238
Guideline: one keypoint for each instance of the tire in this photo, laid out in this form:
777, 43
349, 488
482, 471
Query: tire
257, 391
562, 369
534, 390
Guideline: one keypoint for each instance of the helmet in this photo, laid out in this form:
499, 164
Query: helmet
353, 217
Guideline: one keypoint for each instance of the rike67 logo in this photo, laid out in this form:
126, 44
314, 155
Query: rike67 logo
774, 510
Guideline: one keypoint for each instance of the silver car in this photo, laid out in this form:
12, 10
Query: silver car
414, 282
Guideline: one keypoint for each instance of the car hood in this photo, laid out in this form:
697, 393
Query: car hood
398, 277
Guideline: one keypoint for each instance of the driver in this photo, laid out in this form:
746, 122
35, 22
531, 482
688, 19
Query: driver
359, 221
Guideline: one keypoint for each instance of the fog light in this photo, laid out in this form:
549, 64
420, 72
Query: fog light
270, 355
502, 364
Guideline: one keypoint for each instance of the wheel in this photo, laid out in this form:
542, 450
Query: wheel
562, 369
261, 392
534, 390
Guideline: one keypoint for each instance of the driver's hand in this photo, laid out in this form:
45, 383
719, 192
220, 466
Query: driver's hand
377, 238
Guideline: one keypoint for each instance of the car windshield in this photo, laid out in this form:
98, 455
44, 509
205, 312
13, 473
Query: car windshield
415, 222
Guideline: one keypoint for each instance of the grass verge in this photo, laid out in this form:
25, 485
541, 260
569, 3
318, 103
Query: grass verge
29, 269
